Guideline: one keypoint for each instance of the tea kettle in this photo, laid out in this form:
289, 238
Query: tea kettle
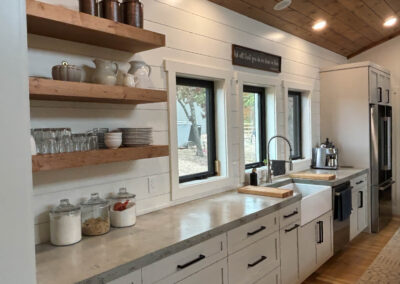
142, 72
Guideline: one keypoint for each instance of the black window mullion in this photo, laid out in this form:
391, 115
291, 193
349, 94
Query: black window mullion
297, 128
211, 139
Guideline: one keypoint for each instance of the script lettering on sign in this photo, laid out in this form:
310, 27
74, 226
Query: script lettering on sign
247, 57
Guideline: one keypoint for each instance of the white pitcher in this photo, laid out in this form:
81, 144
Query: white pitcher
105, 73
142, 73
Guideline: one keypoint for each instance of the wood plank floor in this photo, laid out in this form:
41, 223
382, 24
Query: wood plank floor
347, 266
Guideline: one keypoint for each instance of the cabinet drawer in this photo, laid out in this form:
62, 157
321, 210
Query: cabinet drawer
254, 261
134, 277
186, 262
360, 181
249, 233
289, 214
271, 278
217, 273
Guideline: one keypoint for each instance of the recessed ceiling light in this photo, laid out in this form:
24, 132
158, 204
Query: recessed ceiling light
319, 25
282, 5
390, 22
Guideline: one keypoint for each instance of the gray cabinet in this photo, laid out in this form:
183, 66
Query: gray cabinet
131, 278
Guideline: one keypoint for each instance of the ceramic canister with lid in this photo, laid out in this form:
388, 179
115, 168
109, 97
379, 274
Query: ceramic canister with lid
95, 216
123, 209
65, 224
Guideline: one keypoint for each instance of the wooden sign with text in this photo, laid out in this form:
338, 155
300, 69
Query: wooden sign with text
247, 57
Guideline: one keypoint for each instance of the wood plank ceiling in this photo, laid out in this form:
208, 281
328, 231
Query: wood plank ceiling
353, 26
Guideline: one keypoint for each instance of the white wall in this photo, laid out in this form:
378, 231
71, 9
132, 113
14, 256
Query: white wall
197, 32
388, 56
17, 254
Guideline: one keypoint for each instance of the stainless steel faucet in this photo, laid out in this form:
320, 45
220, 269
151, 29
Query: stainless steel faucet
269, 175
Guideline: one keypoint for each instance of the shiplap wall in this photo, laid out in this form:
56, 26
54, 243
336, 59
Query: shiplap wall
197, 32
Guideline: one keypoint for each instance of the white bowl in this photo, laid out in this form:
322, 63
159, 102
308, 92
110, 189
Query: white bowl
113, 144
118, 134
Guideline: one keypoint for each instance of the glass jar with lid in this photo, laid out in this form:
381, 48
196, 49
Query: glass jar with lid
123, 209
65, 224
95, 216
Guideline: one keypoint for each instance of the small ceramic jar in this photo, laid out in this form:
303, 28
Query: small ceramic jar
66, 72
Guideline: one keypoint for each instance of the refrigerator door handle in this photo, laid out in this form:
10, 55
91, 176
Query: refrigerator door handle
384, 187
389, 143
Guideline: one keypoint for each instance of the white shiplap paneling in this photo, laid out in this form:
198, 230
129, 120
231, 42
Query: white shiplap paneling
197, 32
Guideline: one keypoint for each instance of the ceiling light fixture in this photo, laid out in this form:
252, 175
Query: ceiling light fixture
390, 22
282, 5
319, 25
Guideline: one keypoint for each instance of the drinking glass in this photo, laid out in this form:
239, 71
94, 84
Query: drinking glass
76, 142
93, 142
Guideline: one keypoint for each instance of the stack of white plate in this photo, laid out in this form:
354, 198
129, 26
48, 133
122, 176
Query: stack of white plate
137, 136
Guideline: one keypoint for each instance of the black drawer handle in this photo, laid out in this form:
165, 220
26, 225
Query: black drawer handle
257, 262
291, 214
201, 257
262, 228
361, 199
320, 232
291, 229
360, 182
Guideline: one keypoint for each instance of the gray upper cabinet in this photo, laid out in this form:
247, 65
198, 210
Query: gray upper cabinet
379, 87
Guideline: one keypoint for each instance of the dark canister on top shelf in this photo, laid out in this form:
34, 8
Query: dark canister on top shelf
88, 7
112, 10
132, 11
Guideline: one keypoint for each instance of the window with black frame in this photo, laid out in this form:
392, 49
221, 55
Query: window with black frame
254, 126
195, 128
294, 123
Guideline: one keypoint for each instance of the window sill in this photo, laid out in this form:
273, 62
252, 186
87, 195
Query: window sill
189, 184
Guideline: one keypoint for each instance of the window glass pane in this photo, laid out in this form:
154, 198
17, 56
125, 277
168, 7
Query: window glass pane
251, 127
192, 130
294, 123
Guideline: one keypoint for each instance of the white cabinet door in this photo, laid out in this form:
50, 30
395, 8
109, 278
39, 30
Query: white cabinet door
131, 278
353, 216
362, 209
216, 273
325, 241
307, 250
374, 94
289, 254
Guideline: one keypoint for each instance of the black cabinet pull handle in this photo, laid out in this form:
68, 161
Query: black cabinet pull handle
379, 94
257, 262
291, 214
262, 228
291, 229
201, 257
361, 199
320, 232
360, 182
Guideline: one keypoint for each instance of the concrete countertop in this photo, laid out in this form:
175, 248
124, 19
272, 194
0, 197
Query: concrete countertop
155, 236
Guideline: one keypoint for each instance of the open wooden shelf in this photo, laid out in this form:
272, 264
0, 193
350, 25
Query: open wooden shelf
51, 162
62, 23
54, 90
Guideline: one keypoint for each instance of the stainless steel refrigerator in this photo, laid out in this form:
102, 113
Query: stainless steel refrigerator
381, 165
356, 113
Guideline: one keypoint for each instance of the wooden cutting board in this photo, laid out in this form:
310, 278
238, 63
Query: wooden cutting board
266, 191
314, 176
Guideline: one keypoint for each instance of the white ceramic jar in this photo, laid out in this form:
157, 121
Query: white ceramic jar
65, 224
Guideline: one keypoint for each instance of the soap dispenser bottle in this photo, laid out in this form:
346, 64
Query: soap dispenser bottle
253, 177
